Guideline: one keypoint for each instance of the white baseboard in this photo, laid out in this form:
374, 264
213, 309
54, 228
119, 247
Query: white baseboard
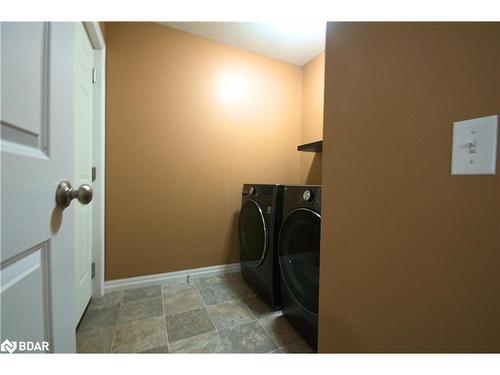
161, 278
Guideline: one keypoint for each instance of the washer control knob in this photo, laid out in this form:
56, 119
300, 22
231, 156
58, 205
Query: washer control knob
250, 191
307, 195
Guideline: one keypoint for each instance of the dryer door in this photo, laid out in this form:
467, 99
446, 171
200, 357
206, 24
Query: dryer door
299, 256
253, 234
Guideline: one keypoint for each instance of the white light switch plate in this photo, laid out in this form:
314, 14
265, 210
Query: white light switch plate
474, 149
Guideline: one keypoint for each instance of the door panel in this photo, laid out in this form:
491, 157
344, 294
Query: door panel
23, 123
83, 168
24, 88
26, 318
37, 248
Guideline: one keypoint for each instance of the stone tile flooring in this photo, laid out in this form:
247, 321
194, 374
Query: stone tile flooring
217, 314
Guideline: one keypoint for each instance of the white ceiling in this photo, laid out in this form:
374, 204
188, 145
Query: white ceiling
293, 42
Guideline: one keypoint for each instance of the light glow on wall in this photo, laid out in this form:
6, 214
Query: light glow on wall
231, 87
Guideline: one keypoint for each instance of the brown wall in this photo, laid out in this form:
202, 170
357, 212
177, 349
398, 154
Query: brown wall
313, 86
102, 25
410, 257
177, 155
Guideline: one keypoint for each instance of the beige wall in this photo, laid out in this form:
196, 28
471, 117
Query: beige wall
178, 150
410, 257
313, 86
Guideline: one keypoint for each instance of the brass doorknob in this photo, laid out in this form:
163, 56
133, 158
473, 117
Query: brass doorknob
65, 194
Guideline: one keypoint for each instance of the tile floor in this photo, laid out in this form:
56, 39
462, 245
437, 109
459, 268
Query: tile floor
217, 314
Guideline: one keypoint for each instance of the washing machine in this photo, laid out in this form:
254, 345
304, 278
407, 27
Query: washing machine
299, 251
258, 225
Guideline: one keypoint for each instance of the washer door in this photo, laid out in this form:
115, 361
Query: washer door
253, 234
299, 256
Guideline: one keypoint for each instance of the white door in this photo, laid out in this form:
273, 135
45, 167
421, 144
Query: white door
83, 115
37, 259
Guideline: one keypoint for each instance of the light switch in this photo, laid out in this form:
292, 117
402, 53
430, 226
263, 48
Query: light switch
474, 146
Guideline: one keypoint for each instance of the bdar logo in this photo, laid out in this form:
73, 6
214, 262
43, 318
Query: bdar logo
8, 346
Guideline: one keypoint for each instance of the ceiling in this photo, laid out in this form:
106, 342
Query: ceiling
293, 42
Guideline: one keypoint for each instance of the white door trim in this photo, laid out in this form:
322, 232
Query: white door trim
98, 44
95, 35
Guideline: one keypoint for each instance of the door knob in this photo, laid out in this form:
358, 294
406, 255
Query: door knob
65, 194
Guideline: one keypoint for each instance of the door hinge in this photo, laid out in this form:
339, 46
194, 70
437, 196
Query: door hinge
94, 75
93, 173
93, 270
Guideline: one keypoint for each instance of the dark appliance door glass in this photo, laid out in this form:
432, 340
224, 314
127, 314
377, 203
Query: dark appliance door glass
299, 256
253, 234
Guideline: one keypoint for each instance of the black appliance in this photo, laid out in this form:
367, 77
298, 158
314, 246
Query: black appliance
258, 225
298, 249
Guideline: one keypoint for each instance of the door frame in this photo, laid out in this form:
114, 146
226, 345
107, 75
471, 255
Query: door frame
98, 241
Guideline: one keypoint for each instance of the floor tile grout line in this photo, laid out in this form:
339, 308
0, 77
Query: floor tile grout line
203, 306
265, 330
235, 325
270, 336
299, 338
252, 319
141, 298
207, 310
116, 323
136, 321
139, 320
217, 330
235, 297
238, 299
207, 307
165, 320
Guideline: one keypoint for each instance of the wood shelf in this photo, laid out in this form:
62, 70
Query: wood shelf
311, 147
